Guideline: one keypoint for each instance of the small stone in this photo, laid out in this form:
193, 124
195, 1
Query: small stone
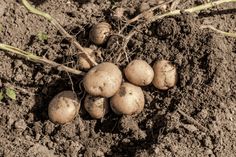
144, 7
18, 63
203, 114
20, 125
10, 121
190, 127
208, 152
99, 153
50, 145
157, 150
48, 127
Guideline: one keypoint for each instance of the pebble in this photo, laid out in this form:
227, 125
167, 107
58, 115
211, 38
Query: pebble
20, 125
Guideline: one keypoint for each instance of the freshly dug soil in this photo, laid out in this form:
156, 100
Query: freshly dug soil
205, 92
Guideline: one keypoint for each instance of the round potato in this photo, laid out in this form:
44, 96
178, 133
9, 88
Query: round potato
63, 107
103, 80
97, 107
165, 75
99, 33
128, 100
83, 62
139, 72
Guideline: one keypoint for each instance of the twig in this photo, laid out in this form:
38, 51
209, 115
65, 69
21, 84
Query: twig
61, 29
171, 13
219, 31
38, 59
193, 121
136, 18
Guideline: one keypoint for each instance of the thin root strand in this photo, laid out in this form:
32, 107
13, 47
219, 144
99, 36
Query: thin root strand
38, 59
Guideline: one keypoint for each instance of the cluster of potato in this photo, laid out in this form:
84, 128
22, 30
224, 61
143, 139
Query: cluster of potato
106, 88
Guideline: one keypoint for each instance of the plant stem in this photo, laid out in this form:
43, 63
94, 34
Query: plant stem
219, 31
193, 121
37, 59
61, 30
191, 10
35, 11
171, 13
136, 18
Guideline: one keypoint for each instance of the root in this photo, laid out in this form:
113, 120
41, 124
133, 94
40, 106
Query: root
193, 121
219, 31
136, 18
171, 13
61, 30
37, 59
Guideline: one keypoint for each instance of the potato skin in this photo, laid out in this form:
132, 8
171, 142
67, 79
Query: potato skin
63, 107
82, 61
128, 100
139, 72
165, 75
97, 107
103, 80
99, 33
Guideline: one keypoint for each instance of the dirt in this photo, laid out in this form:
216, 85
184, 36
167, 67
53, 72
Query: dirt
206, 88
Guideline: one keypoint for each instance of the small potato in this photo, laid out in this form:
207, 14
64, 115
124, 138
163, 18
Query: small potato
165, 75
128, 100
99, 33
139, 72
97, 107
83, 62
63, 107
103, 80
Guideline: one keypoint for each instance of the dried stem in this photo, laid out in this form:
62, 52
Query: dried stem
61, 29
193, 121
38, 59
219, 31
171, 13
136, 18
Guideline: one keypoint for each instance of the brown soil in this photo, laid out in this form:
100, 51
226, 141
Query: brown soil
206, 89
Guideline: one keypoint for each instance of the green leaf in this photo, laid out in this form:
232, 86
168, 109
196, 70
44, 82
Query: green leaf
42, 36
1, 95
11, 93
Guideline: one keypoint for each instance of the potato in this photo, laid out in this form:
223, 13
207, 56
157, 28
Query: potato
165, 75
63, 107
99, 33
128, 100
103, 80
83, 62
139, 72
97, 107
